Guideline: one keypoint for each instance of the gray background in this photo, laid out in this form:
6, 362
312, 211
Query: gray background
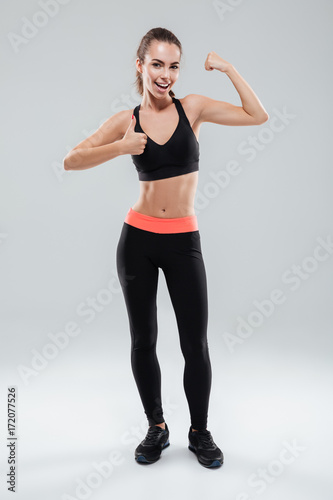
59, 230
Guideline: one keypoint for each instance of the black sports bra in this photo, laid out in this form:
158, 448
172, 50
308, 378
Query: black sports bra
179, 155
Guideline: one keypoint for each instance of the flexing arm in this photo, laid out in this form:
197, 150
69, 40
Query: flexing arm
108, 142
251, 112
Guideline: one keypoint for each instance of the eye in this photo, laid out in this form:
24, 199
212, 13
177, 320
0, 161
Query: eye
158, 64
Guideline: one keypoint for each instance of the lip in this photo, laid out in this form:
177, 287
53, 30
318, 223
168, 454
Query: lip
160, 89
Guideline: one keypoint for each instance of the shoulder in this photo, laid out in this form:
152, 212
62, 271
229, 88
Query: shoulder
120, 120
194, 101
119, 117
193, 104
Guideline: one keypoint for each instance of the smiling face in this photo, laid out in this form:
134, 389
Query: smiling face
161, 66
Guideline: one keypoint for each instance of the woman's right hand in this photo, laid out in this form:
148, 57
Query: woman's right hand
133, 143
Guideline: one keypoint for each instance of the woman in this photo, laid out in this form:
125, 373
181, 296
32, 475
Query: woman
161, 229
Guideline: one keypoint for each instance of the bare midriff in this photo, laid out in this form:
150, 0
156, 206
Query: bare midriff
169, 198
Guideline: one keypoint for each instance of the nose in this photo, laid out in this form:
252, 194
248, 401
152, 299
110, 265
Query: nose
165, 74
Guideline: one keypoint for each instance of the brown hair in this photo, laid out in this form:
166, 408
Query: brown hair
161, 35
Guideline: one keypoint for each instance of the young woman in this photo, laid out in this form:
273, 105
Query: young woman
161, 229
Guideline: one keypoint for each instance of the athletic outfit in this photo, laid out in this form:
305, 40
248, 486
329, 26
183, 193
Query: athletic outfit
179, 155
148, 243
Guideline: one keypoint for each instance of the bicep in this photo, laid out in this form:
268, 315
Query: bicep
109, 131
223, 113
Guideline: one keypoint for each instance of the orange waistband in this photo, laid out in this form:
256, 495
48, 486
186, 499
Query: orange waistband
160, 225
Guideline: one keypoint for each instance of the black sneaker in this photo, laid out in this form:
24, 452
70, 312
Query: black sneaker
207, 452
150, 449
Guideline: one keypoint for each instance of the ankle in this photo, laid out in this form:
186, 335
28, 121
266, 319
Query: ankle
162, 425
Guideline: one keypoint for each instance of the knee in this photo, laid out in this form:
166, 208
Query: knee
143, 346
195, 349
144, 340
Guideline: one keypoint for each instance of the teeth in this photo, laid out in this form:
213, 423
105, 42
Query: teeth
163, 85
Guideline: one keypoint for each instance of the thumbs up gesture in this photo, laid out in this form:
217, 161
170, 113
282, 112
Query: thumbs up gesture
134, 143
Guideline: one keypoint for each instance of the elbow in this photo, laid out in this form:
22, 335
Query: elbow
263, 119
71, 160
65, 164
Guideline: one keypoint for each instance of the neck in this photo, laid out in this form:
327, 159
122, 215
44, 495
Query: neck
150, 102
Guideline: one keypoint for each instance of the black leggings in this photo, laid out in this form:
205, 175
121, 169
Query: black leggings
139, 255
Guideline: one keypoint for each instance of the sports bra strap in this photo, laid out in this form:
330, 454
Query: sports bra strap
178, 156
179, 107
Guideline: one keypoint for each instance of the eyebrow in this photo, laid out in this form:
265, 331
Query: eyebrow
159, 60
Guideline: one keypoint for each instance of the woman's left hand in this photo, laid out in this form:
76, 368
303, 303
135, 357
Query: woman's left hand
214, 61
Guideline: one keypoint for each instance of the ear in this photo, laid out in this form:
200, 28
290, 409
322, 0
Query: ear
138, 65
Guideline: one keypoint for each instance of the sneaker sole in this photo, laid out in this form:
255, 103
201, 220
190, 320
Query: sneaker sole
213, 465
143, 460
